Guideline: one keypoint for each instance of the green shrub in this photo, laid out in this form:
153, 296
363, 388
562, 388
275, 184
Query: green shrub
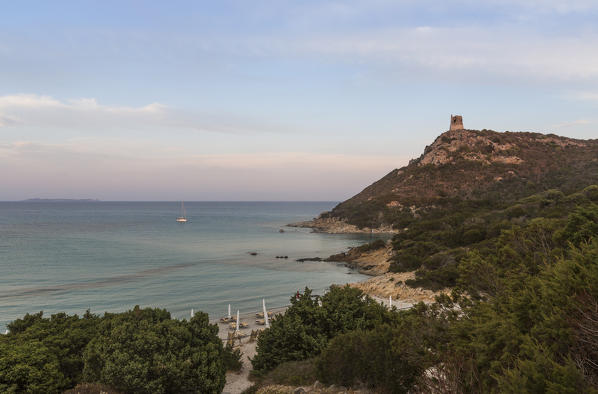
92, 388
384, 359
63, 339
142, 350
145, 351
232, 358
29, 367
292, 373
305, 329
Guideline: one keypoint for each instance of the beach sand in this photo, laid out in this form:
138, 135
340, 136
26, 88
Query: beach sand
380, 286
236, 382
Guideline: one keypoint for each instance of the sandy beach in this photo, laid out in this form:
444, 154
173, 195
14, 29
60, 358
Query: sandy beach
380, 286
236, 382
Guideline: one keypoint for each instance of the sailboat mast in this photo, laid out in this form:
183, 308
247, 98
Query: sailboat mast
183, 217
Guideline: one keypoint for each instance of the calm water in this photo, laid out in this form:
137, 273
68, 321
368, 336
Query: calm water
110, 256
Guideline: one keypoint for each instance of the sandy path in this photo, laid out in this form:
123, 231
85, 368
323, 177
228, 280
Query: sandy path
236, 382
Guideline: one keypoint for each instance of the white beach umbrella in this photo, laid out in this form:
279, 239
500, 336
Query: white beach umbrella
237, 327
265, 313
192, 313
229, 311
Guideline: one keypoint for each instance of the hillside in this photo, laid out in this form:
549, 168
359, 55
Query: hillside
484, 168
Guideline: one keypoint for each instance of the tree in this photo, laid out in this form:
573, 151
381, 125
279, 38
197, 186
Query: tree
306, 327
29, 367
145, 351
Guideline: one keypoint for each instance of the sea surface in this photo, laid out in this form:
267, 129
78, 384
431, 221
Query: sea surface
111, 256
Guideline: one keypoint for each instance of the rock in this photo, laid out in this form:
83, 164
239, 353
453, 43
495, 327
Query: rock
309, 259
339, 226
253, 253
299, 390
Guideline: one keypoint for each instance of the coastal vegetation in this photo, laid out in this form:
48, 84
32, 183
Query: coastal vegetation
139, 351
464, 191
522, 316
440, 243
311, 321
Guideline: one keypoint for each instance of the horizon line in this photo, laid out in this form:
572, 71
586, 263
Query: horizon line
83, 200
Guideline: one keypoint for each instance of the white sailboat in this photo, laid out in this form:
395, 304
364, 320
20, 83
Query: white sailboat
183, 217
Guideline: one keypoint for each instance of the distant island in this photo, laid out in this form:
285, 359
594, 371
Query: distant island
61, 200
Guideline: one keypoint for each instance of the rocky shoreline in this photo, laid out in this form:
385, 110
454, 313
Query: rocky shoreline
340, 226
375, 261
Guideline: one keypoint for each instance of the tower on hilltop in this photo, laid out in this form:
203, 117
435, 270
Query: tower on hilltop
456, 122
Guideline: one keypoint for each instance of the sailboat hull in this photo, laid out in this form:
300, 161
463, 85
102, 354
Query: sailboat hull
183, 217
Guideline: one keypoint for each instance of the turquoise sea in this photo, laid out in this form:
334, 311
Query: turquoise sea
111, 256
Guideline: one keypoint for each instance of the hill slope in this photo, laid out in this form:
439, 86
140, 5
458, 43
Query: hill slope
482, 167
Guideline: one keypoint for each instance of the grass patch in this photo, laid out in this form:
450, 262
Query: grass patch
291, 373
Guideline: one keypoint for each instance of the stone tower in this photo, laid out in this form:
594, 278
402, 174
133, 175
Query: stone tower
456, 122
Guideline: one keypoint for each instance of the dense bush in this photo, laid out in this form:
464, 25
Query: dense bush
141, 351
291, 373
385, 359
527, 337
435, 245
146, 351
306, 327
29, 367
523, 316
232, 358
59, 342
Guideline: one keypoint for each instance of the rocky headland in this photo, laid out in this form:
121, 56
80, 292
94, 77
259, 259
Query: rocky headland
374, 259
333, 225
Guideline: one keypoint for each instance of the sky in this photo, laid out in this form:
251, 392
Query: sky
274, 99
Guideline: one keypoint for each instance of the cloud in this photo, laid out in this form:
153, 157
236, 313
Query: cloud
504, 51
49, 112
557, 6
88, 115
578, 122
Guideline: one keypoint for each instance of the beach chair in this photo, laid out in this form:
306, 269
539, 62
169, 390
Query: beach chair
233, 326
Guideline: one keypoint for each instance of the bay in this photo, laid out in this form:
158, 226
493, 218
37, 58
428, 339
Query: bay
111, 256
